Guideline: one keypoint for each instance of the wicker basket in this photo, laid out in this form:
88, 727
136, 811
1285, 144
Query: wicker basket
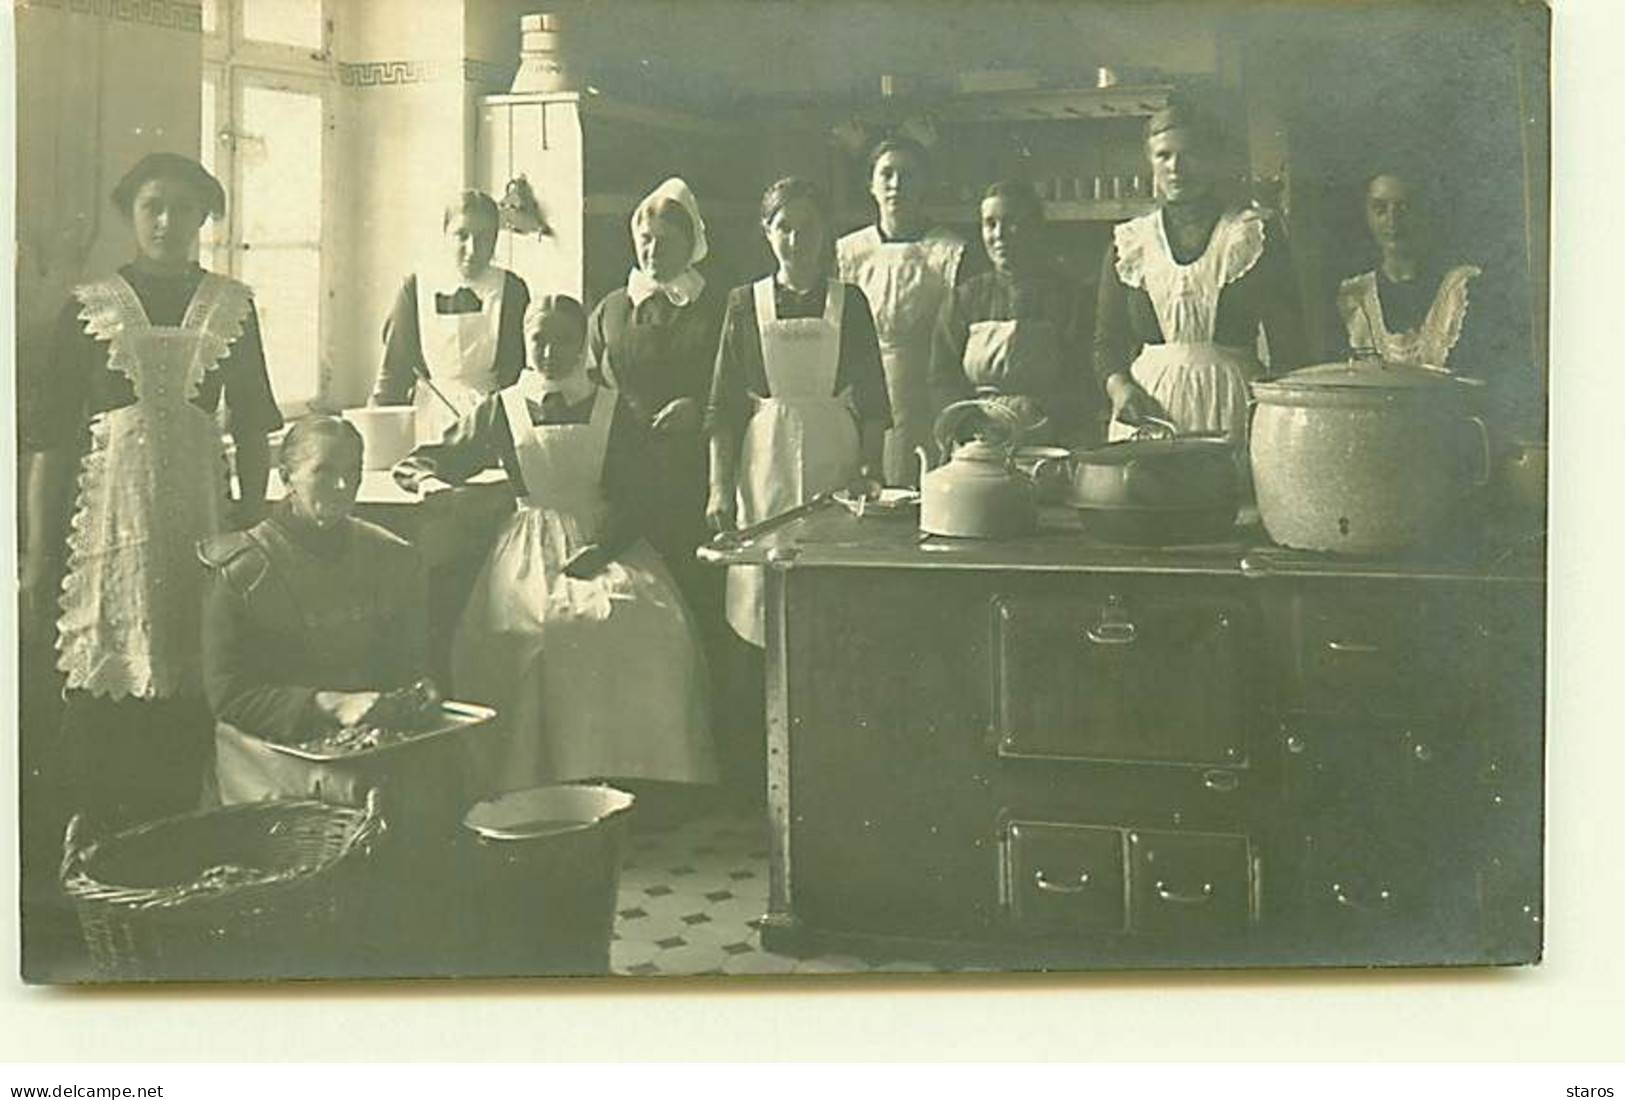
150, 909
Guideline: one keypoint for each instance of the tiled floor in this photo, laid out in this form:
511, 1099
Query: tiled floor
690, 898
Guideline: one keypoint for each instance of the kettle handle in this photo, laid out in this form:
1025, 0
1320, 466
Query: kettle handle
960, 412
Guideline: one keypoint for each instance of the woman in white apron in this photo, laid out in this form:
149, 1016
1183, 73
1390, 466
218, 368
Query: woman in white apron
1185, 291
798, 401
127, 402
798, 407
1014, 335
1404, 310
456, 330
907, 271
575, 631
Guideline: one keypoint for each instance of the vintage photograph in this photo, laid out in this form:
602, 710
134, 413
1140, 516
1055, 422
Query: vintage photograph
524, 488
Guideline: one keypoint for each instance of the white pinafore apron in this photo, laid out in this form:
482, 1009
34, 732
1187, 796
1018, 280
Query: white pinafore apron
1428, 345
591, 678
460, 350
1202, 386
151, 485
906, 283
800, 441
1010, 362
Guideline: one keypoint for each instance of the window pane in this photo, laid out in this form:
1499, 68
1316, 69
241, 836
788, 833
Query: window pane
280, 153
287, 294
291, 22
211, 16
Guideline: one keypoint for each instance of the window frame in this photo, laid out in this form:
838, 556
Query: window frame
232, 61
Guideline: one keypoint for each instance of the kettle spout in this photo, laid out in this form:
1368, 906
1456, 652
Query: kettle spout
925, 463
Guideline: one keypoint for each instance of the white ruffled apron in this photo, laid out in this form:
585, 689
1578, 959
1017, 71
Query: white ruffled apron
1202, 386
907, 284
591, 678
1429, 344
151, 485
800, 441
460, 350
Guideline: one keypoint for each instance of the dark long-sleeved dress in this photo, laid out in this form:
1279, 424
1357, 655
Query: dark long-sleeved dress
655, 353
403, 361
740, 373
1046, 359
291, 611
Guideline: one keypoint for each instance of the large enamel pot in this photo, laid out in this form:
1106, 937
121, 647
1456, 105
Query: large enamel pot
1366, 457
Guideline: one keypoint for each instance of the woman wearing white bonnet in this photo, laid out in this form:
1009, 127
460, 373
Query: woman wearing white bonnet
655, 341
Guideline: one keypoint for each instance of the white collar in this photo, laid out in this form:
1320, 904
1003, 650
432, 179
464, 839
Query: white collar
684, 289
446, 279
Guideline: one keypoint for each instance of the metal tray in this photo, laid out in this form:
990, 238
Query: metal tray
459, 716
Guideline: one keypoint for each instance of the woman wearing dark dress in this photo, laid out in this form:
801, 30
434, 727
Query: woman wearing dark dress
456, 330
1185, 290
655, 341
310, 614
1015, 334
126, 402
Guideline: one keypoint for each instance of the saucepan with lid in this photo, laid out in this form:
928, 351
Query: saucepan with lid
1159, 487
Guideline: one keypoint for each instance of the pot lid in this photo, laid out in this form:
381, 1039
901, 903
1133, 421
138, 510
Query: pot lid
1366, 375
1136, 450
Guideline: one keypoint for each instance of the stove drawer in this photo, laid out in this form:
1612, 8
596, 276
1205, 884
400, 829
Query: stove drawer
1124, 677
1063, 879
1190, 884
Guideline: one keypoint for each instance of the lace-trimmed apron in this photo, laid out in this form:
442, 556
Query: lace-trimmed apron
1427, 345
151, 485
800, 441
591, 678
1201, 385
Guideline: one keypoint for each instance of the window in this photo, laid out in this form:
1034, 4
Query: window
266, 107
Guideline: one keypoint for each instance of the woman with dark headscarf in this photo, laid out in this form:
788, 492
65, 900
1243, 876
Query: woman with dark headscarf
456, 331
1014, 335
139, 365
1185, 290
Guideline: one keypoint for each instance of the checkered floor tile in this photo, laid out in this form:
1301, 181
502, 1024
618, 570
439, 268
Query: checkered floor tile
690, 901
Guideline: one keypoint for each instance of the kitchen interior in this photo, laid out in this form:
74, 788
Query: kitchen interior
1038, 707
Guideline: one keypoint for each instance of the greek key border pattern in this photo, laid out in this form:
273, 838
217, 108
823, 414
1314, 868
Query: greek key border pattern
395, 74
176, 15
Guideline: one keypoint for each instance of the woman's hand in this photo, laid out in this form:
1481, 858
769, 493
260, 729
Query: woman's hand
433, 486
681, 416
347, 708
719, 509
587, 562
864, 486
1130, 404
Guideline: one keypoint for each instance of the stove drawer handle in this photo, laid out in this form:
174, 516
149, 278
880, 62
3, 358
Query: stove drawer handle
1112, 632
1337, 646
1049, 887
1173, 897
1381, 897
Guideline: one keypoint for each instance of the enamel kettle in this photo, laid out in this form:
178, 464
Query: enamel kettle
977, 493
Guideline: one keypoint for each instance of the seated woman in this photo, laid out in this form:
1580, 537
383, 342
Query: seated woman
310, 615
1014, 334
575, 632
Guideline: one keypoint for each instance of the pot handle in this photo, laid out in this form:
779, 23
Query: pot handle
1486, 455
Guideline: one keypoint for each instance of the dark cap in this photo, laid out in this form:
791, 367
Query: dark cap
171, 166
